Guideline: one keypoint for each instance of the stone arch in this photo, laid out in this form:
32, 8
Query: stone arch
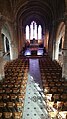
59, 42
7, 31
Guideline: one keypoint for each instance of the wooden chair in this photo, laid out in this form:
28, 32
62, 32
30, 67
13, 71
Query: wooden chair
4, 85
1, 115
15, 90
19, 106
21, 97
53, 114
8, 90
51, 84
64, 97
59, 105
58, 84
56, 97
63, 114
64, 83
10, 85
17, 115
65, 106
60, 90
13, 97
54, 89
0, 97
47, 89
7, 115
2, 90
2, 106
11, 106
5, 97
48, 97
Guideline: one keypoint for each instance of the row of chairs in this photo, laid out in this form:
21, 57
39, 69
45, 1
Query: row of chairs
13, 89
54, 87
10, 115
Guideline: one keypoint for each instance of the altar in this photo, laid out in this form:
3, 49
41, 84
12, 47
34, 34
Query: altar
34, 48
34, 51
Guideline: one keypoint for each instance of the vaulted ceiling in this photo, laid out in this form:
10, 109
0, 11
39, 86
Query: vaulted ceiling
42, 11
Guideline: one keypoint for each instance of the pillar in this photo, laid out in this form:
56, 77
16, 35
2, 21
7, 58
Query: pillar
5, 44
13, 51
1, 45
51, 43
64, 50
2, 61
56, 50
13, 41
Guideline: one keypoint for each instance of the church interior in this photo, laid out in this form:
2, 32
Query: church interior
33, 59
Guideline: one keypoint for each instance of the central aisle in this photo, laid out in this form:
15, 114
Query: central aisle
34, 106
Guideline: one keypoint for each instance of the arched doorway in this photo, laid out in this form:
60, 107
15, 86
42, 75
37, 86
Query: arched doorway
60, 43
6, 41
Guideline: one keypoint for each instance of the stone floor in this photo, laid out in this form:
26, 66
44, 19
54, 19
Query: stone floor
34, 106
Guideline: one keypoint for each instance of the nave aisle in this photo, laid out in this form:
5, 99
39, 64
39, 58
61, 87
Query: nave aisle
34, 106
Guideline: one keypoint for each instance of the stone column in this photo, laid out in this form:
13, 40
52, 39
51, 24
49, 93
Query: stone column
1, 45
64, 50
56, 50
13, 41
51, 43
22, 38
2, 61
13, 50
5, 44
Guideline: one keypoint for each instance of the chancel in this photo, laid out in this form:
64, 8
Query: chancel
33, 59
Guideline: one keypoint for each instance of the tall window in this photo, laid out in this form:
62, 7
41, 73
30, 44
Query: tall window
27, 32
39, 32
33, 31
